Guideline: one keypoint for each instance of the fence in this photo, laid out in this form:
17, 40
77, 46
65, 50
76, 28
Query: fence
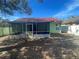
11, 29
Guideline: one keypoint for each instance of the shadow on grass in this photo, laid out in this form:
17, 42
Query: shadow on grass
46, 48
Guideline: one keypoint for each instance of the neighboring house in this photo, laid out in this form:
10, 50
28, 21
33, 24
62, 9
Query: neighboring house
35, 26
4, 30
70, 29
71, 26
73, 29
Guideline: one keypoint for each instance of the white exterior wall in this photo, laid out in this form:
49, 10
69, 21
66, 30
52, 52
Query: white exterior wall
77, 30
73, 29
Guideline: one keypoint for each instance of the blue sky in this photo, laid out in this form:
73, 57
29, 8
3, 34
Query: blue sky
50, 8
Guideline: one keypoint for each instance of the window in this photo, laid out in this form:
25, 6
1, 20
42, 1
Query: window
77, 31
57, 28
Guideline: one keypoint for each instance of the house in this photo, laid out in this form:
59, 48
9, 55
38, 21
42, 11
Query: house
36, 27
42, 27
4, 30
71, 26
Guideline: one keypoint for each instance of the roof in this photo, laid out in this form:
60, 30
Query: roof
72, 20
37, 20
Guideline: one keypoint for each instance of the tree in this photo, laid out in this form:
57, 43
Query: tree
9, 6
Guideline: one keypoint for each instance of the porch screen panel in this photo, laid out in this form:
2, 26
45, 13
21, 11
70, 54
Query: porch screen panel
29, 27
42, 28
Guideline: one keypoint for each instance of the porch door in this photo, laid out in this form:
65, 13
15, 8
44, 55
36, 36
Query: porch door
29, 28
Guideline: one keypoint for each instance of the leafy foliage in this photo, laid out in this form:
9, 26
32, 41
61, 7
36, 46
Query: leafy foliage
9, 6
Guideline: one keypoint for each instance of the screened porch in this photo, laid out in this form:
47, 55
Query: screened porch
38, 28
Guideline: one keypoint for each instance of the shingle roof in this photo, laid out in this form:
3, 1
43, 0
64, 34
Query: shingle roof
74, 20
37, 20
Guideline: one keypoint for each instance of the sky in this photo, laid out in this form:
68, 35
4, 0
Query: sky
50, 8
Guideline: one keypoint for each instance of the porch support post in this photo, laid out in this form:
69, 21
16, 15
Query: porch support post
25, 30
32, 30
9, 31
49, 31
36, 29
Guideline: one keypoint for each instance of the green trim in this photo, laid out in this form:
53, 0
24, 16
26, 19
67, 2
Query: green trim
53, 27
